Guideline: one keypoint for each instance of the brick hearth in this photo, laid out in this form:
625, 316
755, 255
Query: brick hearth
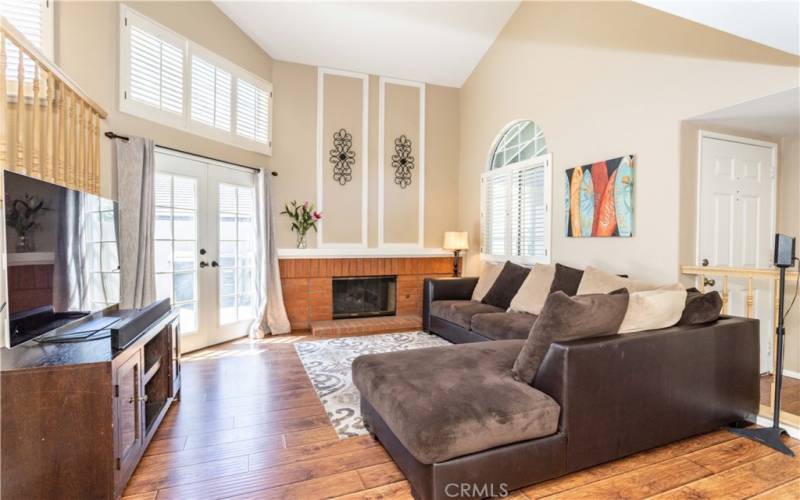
366, 326
308, 290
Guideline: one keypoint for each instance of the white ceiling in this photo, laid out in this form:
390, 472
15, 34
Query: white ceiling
772, 23
433, 42
776, 115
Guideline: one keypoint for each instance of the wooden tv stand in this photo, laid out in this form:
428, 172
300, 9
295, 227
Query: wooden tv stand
76, 418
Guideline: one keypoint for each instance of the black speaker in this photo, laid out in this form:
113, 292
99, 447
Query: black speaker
784, 250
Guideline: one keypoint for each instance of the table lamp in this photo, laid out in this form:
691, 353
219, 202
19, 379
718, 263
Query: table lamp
456, 241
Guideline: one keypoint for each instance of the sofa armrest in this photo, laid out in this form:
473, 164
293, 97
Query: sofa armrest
444, 289
626, 393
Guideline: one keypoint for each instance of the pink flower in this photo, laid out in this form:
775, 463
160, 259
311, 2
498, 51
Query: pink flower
316, 215
305, 205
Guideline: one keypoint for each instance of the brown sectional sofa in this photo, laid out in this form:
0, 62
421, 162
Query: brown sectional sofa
459, 426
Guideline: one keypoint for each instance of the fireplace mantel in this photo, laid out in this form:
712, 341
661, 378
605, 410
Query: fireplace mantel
361, 253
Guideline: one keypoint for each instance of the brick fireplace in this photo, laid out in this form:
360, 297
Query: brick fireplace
308, 283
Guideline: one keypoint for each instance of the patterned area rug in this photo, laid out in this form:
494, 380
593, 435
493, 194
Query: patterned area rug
328, 364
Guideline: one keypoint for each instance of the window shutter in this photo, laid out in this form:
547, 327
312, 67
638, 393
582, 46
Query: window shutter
211, 94
252, 112
528, 211
495, 185
156, 71
29, 18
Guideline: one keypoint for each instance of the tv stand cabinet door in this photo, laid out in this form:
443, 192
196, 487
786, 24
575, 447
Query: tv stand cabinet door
129, 415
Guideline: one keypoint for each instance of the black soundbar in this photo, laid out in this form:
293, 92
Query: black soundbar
128, 330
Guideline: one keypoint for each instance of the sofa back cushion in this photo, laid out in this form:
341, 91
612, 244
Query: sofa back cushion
654, 309
506, 285
489, 273
569, 318
566, 279
701, 307
533, 293
597, 281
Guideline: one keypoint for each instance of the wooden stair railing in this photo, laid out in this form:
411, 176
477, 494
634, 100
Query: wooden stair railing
751, 275
49, 127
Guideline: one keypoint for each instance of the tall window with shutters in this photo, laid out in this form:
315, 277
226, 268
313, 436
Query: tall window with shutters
34, 19
515, 197
169, 79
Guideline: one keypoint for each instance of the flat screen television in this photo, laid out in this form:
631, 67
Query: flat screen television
62, 255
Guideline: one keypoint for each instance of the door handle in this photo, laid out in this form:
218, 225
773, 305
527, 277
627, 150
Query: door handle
704, 263
214, 263
708, 282
203, 264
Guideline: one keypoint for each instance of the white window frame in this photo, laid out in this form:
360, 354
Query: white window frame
48, 32
543, 161
184, 121
47, 48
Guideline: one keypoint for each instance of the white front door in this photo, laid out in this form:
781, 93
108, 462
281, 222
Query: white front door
737, 221
204, 246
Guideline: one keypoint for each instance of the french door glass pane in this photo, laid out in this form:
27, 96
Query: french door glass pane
236, 255
176, 245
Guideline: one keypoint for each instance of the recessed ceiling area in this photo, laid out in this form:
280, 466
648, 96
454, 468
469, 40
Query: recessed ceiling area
776, 115
775, 24
433, 42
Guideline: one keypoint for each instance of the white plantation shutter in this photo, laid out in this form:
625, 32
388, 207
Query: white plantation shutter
252, 112
155, 68
211, 94
32, 18
515, 212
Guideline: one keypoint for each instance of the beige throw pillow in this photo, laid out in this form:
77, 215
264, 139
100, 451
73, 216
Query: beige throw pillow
489, 273
531, 296
654, 309
596, 281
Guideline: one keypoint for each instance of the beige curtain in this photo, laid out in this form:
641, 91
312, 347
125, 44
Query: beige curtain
271, 315
135, 185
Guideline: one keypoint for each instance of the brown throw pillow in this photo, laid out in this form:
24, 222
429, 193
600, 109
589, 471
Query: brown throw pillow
506, 285
569, 318
701, 307
567, 279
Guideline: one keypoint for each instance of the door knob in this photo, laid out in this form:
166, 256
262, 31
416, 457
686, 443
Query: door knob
203, 264
704, 263
214, 263
708, 282
202, 251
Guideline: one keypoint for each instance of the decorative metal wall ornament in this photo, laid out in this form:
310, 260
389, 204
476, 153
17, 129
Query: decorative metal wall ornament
342, 157
402, 161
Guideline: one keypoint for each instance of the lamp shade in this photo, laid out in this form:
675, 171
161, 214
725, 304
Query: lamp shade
456, 240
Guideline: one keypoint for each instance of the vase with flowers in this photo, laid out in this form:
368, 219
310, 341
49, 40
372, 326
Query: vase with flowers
21, 215
304, 217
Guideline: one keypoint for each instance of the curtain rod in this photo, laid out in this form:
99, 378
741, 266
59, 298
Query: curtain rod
112, 135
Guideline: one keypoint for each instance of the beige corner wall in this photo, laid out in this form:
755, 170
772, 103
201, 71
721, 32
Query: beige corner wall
294, 155
789, 223
605, 79
87, 49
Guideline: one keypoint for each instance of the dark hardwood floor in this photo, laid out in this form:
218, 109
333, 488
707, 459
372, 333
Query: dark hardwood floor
790, 393
249, 425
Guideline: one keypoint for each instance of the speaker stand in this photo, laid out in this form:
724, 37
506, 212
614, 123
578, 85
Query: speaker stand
771, 436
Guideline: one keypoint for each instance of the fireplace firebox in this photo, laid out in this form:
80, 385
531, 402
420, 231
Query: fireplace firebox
364, 296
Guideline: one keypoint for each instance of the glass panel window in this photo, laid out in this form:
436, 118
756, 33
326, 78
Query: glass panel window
176, 245
236, 254
101, 252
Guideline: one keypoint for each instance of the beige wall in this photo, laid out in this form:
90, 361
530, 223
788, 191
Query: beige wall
605, 79
294, 143
789, 223
87, 48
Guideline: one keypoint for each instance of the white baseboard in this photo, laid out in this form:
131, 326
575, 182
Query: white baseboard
767, 422
791, 373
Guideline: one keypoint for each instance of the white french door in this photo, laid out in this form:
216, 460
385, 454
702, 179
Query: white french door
736, 222
205, 246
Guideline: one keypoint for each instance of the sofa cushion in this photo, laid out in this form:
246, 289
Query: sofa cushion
489, 273
701, 307
569, 318
566, 279
446, 402
598, 281
506, 285
534, 290
503, 325
460, 312
654, 309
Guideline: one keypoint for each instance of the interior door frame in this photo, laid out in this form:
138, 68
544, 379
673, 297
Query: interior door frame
707, 134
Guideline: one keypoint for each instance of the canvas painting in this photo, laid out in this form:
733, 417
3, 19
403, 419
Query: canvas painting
599, 199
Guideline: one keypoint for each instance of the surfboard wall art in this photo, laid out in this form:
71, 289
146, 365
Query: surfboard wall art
599, 199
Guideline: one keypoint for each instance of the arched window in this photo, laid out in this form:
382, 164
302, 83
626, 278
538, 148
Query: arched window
515, 196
